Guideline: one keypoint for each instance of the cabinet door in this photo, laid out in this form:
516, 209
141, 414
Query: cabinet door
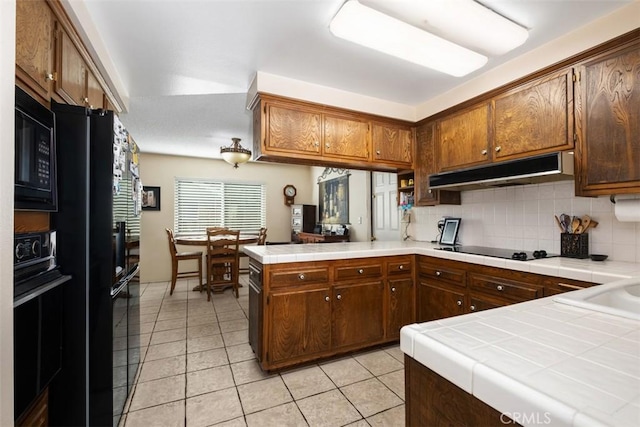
608, 123
534, 119
95, 94
480, 302
293, 130
346, 137
34, 45
400, 303
392, 144
71, 79
424, 166
357, 313
463, 139
435, 302
300, 323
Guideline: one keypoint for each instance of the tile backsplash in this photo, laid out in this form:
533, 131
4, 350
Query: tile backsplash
521, 217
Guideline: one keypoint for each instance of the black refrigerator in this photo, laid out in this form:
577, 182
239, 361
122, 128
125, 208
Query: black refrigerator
98, 230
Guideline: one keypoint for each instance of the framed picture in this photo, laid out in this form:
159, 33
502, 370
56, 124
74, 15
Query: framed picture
334, 201
150, 198
450, 231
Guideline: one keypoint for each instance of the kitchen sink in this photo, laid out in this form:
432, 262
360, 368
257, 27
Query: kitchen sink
620, 298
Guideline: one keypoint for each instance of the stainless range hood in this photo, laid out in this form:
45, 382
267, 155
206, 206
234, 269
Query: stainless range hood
532, 170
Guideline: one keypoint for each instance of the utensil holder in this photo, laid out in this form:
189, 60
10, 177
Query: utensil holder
574, 245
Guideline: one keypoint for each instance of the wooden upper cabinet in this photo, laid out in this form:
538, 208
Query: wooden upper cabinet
95, 94
463, 139
392, 144
295, 130
71, 70
534, 119
346, 137
35, 24
424, 166
608, 123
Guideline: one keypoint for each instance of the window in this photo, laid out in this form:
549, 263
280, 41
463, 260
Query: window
206, 203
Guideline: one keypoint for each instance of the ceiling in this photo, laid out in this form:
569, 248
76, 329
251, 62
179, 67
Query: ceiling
187, 64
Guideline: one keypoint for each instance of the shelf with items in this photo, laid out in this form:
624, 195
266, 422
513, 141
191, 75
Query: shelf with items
405, 188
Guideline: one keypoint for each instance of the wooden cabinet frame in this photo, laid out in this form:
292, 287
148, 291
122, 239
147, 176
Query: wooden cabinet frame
287, 129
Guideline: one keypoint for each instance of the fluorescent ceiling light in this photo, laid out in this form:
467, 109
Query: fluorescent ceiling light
373, 29
465, 22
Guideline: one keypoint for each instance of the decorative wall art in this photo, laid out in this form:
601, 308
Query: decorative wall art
150, 198
334, 201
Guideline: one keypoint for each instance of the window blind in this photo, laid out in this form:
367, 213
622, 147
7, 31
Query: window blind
205, 203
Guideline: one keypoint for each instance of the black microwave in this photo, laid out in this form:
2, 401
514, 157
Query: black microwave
35, 186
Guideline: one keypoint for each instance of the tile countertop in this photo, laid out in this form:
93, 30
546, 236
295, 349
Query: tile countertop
543, 362
585, 269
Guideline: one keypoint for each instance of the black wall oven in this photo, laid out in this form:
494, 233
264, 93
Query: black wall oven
35, 155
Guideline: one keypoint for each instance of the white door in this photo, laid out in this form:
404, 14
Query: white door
385, 218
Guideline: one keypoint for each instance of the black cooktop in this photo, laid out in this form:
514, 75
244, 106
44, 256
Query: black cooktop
499, 253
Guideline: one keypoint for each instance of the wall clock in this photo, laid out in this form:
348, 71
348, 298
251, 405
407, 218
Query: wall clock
289, 194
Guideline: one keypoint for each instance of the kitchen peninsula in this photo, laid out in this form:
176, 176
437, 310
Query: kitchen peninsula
537, 362
308, 302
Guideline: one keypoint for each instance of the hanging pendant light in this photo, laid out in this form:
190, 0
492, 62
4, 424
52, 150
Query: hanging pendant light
235, 153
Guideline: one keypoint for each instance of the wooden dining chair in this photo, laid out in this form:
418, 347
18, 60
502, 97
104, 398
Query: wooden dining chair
223, 262
182, 256
262, 238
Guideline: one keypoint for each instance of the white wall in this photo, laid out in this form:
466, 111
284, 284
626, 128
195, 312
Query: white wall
161, 170
521, 217
359, 201
7, 96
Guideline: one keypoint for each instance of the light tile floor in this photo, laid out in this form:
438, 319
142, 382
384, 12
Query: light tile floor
198, 370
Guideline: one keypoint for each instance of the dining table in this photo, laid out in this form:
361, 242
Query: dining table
201, 240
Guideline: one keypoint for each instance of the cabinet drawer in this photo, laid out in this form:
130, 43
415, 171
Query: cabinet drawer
499, 287
400, 266
559, 286
299, 277
451, 275
358, 271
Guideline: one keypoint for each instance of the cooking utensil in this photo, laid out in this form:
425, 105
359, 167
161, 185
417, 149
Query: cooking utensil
575, 223
585, 222
565, 221
559, 224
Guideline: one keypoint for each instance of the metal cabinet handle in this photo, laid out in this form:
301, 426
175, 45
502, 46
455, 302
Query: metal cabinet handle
360, 271
430, 191
393, 289
339, 296
86, 100
327, 145
473, 308
498, 148
401, 267
484, 152
499, 287
378, 152
301, 276
438, 273
459, 302
327, 299
49, 77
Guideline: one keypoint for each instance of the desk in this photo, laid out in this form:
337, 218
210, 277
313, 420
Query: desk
202, 241
321, 238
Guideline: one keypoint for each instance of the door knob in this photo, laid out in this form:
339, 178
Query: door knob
339, 296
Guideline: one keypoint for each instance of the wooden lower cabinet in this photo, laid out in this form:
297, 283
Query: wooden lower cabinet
299, 323
400, 303
305, 311
432, 400
313, 310
357, 313
435, 302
